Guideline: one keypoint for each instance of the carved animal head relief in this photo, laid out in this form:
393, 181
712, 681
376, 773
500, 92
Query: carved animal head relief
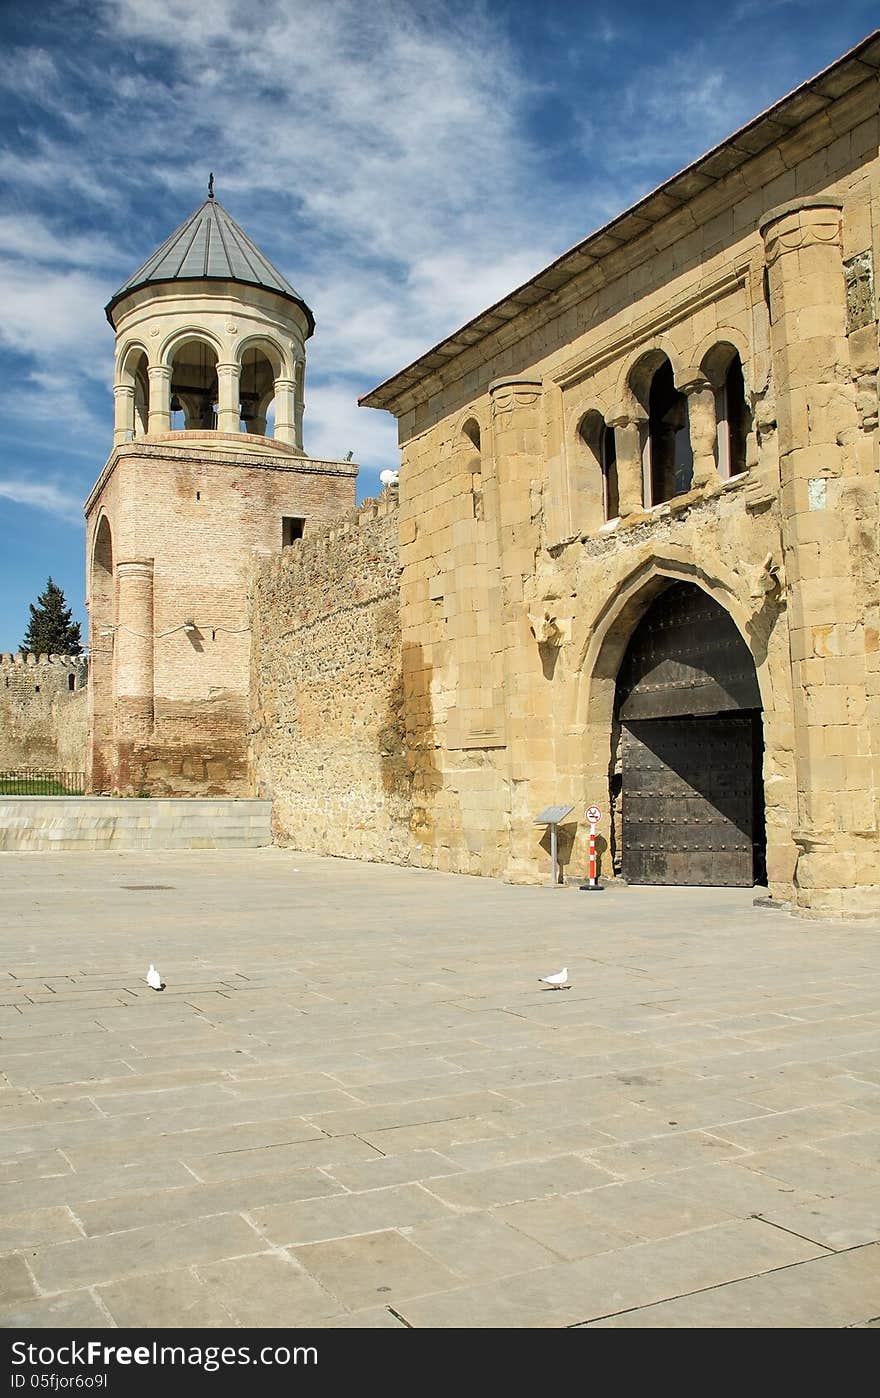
546, 629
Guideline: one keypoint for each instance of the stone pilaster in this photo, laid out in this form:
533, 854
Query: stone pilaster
519, 467
819, 470
628, 439
160, 399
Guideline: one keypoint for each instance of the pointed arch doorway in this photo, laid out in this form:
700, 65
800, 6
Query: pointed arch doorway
688, 715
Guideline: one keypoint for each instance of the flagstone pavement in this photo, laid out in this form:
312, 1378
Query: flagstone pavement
354, 1105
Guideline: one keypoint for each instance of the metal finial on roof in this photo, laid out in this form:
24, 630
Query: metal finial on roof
211, 185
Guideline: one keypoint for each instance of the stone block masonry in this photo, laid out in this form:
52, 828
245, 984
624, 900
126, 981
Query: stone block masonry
43, 712
724, 329
328, 736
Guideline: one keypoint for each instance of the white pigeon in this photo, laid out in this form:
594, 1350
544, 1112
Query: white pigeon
154, 979
558, 981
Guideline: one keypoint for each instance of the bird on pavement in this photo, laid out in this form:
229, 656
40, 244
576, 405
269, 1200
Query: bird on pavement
559, 981
154, 979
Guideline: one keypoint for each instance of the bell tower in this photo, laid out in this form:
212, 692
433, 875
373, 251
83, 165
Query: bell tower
207, 471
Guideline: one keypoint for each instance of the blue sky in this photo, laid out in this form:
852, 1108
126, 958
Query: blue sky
403, 162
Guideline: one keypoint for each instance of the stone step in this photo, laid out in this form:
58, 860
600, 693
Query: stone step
33, 823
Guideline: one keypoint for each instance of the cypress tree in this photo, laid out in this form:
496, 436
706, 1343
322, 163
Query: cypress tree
51, 630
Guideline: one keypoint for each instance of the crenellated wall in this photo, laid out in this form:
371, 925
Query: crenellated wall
43, 712
327, 740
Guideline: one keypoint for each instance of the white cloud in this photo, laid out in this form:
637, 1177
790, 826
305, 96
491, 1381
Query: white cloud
57, 317
43, 495
31, 237
374, 152
335, 425
380, 154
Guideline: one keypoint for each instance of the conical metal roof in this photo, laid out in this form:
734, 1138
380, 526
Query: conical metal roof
209, 246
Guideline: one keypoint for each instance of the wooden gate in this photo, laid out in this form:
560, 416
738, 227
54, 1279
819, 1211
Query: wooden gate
689, 709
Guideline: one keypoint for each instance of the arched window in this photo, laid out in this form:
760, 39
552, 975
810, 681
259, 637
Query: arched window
734, 421
608, 458
592, 480
669, 463
194, 386
471, 441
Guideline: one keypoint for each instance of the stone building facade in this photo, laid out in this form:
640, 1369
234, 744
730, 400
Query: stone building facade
43, 712
639, 518
207, 474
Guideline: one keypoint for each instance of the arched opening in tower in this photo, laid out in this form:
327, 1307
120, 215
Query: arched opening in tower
257, 393
194, 388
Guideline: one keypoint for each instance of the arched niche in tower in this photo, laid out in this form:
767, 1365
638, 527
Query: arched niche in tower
194, 386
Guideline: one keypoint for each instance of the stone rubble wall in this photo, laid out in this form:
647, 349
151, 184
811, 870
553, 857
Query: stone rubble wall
328, 738
43, 723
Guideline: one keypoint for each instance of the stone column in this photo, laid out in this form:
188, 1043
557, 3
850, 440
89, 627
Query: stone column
123, 413
228, 398
299, 402
628, 439
703, 424
134, 647
160, 399
285, 412
838, 868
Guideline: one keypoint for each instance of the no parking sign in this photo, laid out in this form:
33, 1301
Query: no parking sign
593, 815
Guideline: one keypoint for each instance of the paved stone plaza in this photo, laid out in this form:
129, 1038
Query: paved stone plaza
354, 1105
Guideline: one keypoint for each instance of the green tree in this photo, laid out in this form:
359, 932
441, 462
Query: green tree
51, 630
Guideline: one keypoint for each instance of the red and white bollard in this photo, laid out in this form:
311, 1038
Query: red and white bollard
593, 815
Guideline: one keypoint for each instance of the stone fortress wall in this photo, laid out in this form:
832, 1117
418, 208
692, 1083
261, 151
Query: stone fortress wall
43, 712
327, 739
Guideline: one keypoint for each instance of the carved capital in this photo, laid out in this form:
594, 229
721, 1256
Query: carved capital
625, 420
698, 384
